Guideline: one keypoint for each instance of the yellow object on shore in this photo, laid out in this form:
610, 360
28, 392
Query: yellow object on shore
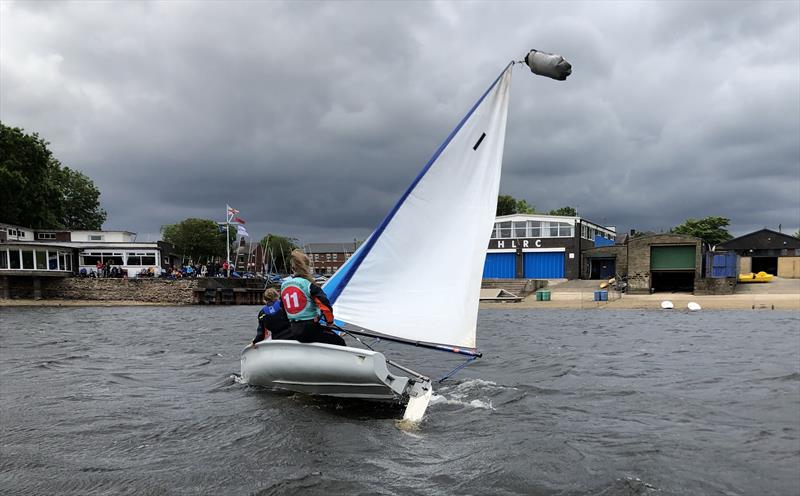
759, 277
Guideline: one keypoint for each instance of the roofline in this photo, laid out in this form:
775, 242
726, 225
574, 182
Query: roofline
576, 218
755, 232
84, 244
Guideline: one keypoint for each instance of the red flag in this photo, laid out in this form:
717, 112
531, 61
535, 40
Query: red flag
239, 220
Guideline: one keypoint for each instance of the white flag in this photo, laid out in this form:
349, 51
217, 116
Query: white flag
241, 231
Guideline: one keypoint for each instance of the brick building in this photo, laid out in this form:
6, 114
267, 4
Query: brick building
326, 258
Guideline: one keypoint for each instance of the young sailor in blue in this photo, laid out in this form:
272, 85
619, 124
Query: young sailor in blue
272, 320
305, 303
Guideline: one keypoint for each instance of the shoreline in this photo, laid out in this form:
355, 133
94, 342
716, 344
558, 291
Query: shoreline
30, 302
561, 301
580, 301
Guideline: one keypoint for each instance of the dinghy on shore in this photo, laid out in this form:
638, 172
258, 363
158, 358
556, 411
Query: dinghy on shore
453, 197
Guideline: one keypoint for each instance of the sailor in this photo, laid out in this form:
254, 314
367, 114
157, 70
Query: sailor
272, 320
305, 304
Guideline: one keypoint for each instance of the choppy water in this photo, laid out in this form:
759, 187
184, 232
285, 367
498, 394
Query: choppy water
143, 400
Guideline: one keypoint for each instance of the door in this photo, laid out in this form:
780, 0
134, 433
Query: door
672, 258
543, 265
499, 266
602, 268
765, 264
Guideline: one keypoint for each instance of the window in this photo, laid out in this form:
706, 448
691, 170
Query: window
4, 259
13, 257
95, 237
328, 257
66, 260
27, 259
46, 235
90, 259
565, 230
21, 234
335, 257
316, 257
41, 260
521, 229
143, 259
504, 230
52, 260
554, 229
535, 228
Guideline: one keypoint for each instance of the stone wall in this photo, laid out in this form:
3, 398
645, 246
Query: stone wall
174, 292
715, 286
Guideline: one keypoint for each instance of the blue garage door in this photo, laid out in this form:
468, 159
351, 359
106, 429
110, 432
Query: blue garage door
499, 266
545, 265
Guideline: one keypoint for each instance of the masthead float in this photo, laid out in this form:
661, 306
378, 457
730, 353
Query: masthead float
453, 196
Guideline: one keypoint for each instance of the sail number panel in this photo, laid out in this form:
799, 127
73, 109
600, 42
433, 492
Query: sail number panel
294, 300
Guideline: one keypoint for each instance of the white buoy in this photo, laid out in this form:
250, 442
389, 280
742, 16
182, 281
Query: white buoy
693, 306
666, 304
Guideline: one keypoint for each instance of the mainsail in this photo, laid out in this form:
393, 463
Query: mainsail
418, 276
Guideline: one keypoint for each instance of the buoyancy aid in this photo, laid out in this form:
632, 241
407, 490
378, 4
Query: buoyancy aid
296, 299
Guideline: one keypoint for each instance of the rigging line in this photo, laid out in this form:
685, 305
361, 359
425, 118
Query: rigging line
345, 331
421, 344
455, 370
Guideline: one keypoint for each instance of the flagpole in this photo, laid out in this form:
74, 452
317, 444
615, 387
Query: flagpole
228, 240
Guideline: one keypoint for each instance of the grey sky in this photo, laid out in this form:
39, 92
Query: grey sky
312, 118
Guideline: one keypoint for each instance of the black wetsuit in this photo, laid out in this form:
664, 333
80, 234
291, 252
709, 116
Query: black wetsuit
272, 318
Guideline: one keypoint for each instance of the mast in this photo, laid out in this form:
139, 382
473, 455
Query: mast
228, 244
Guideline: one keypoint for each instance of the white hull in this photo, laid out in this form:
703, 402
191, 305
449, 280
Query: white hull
324, 369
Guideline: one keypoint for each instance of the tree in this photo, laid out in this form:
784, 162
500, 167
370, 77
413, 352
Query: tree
711, 230
197, 239
277, 249
567, 211
81, 201
37, 192
797, 234
507, 205
28, 191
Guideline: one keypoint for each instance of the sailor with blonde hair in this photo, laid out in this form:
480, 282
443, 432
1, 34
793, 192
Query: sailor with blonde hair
306, 304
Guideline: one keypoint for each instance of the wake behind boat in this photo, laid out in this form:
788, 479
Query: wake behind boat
453, 197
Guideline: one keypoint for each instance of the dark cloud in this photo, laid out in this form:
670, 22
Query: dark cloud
312, 118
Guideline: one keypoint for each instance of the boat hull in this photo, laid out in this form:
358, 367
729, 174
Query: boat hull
322, 369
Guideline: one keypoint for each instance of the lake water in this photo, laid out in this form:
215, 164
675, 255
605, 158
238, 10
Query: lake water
144, 400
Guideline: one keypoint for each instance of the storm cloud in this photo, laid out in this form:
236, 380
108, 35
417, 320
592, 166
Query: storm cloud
313, 118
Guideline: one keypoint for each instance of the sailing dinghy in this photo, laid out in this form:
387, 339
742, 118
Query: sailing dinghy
451, 202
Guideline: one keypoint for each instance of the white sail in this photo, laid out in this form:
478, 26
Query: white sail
418, 277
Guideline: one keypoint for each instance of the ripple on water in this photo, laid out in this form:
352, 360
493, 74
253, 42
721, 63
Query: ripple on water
643, 402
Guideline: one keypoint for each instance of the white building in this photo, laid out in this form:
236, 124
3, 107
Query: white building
25, 251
